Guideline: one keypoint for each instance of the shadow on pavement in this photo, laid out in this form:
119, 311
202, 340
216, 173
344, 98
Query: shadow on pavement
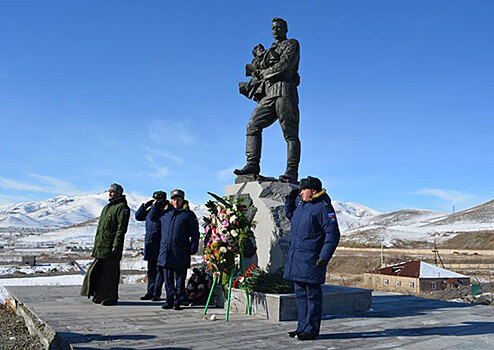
123, 348
74, 338
467, 328
386, 306
140, 303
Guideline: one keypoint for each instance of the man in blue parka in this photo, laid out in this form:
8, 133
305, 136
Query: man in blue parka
179, 240
314, 236
151, 212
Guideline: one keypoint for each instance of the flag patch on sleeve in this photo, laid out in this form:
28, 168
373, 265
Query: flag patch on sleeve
332, 217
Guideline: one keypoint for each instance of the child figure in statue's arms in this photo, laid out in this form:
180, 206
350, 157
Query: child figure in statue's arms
263, 59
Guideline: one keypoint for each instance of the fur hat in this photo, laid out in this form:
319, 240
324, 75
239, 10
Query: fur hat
311, 182
159, 195
178, 193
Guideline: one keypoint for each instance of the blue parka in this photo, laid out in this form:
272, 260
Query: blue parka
314, 234
179, 237
152, 239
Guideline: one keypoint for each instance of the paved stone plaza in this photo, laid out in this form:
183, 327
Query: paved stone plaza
396, 321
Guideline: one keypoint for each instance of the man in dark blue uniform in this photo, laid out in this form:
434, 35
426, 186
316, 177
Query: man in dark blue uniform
179, 240
314, 236
151, 212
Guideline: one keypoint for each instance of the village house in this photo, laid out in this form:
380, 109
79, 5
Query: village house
413, 277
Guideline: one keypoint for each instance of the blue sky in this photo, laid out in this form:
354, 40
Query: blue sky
396, 98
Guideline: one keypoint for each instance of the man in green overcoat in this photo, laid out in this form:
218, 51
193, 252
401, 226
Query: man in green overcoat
103, 276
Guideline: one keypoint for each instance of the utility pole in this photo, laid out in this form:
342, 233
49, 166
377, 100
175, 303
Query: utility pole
436, 255
382, 254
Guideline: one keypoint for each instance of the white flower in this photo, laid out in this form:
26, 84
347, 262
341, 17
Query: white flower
223, 249
235, 207
233, 219
234, 233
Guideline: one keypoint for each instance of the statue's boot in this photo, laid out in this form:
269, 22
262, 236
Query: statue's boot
293, 159
248, 169
253, 153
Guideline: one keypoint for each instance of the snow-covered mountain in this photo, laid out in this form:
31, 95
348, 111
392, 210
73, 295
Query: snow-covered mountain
420, 225
73, 220
350, 214
59, 211
67, 219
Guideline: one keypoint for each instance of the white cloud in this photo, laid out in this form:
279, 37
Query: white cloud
451, 196
59, 185
22, 186
42, 183
225, 174
6, 199
172, 133
158, 153
159, 171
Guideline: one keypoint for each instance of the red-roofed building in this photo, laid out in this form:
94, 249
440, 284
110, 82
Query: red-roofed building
413, 277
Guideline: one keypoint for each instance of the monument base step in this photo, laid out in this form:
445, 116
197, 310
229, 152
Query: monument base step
337, 300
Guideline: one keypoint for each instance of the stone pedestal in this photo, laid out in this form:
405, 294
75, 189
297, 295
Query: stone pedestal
273, 228
337, 300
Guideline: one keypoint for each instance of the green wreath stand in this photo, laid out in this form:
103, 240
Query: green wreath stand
215, 279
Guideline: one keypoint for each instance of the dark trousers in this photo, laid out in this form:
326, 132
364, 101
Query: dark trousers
309, 307
268, 110
106, 278
175, 285
155, 279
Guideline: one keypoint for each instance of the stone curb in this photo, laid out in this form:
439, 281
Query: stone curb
47, 335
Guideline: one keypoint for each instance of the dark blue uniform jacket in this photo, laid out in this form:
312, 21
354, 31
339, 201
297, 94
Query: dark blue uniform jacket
179, 238
314, 234
153, 229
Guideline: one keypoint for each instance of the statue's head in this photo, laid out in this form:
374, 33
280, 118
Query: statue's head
258, 50
279, 28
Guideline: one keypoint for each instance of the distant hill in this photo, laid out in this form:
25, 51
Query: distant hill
419, 225
73, 220
483, 213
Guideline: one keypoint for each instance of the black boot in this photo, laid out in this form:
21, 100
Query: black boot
253, 154
147, 297
293, 334
248, 169
292, 161
291, 176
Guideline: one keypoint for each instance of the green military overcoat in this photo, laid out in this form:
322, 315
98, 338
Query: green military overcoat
112, 227
110, 233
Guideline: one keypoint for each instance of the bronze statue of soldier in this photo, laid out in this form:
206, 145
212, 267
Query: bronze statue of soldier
277, 101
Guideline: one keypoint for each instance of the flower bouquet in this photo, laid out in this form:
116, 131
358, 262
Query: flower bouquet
257, 280
228, 232
227, 229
